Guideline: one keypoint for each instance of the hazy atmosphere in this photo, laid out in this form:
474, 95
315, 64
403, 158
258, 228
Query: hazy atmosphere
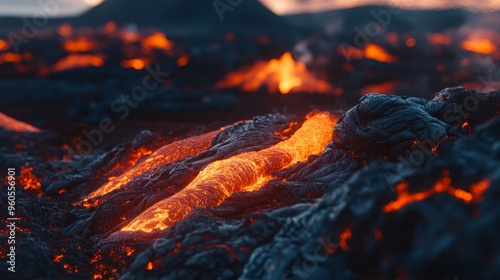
73, 7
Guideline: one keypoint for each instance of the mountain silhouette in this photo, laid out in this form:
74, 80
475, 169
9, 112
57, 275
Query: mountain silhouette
186, 16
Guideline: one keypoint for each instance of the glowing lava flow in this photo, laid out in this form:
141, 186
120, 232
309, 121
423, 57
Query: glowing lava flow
170, 153
378, 53
15, 125
481, 46
278, 75
73, 61
443, 185
222, 178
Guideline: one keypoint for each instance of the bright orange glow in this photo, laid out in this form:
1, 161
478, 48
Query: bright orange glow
443, 185
58, 258
478, 189
378, 53
136, 63
481, 46
15, 125
157, 41
11, 57
73, 61
388, 87
79, 44
439, 39
182, 61
3, 45
28, 180
167, 154
130, 251
220, 179
278, 75
65, 30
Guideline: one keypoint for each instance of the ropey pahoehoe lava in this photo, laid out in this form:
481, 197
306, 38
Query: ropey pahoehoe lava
387, 188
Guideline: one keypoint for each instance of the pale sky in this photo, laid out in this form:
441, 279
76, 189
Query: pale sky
71, 7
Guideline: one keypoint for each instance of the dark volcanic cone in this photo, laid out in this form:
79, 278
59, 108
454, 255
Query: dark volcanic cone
196, 17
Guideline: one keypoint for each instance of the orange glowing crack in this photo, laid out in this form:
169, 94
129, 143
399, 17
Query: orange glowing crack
220, 179
443, 185
16, 126
167, 154
279, 75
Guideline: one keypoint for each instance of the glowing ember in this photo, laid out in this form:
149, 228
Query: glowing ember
182, 61
222, 178
170, 153
73, 61
28, 180
343, 238
65, 30
278, 75
410, 42
3, 45
80, 44
378, 53
481, 46
10, 57
443, 185
157, 41
439, 39
136, 63
15, 125
388, 87
110, 27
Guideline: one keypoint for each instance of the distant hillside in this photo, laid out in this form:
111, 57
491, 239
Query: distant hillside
199, 18
186, 16
404, 21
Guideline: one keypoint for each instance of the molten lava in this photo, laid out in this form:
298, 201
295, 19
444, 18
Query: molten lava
16, 126
74, 61
157, 41
168, 154
243, 172
443, 185
10, 57
136, 63
3, 45
28, 180
278, 75
80, 44
378, 53
481, 46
